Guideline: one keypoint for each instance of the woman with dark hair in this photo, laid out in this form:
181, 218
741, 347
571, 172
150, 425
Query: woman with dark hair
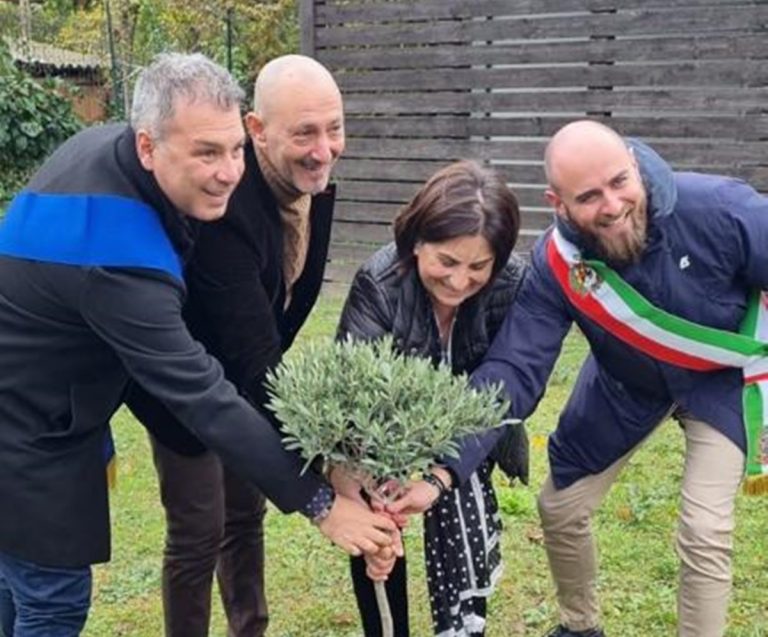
442, 290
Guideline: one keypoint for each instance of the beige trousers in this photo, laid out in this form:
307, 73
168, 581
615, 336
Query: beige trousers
714, 467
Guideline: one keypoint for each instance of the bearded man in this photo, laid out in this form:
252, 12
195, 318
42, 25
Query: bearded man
658, 269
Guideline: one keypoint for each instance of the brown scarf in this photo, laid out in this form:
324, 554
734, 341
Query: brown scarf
294, 212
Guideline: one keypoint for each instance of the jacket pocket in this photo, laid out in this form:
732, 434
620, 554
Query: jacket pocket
91, 405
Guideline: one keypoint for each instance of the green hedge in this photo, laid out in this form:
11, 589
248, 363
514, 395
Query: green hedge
34, 119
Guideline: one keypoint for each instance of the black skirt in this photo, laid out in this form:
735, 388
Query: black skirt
463, 556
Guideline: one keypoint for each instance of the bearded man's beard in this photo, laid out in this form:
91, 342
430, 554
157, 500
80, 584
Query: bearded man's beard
621, 250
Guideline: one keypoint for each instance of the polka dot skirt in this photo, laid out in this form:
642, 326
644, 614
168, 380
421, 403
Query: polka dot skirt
461, 543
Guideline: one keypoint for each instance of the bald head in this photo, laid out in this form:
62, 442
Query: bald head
280, 80
576, 142
595, 186
297, 125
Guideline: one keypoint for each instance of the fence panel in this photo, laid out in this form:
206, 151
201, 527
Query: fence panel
429, 82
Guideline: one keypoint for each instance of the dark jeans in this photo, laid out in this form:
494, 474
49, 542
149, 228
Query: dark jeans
215, 522
397, 595
7, 611
42, 601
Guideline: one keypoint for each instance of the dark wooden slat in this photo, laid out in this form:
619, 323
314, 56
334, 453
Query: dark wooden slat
672, 74
632, 22
399, 193
442, 10
722, 127
398, 170
429, 126
623, 49
576, 103
420, 171
528, 175
357, 233
693, 153
535, 212
379, 191
354, 211
345, 253
426, 10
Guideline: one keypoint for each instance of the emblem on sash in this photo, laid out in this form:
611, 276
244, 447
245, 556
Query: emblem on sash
583, 279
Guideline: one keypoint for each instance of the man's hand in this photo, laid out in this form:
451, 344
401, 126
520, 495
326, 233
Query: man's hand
357, 530
344, 484
511, 452
379, 565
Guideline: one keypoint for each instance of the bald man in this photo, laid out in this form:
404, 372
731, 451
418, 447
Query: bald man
253, 279
692, 246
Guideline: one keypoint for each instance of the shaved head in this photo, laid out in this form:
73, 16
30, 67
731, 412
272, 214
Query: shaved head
297, 124
575, 142
595, 187
280, 78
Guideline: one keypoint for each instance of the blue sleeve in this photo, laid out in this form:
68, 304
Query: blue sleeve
749, 211
521, 356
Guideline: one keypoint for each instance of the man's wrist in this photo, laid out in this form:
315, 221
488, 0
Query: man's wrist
319, 507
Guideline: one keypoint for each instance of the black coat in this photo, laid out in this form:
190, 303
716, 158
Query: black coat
383, 300
235, 305
76, 321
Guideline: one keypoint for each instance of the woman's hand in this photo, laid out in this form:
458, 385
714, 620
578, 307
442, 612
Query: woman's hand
344, 483
420, 495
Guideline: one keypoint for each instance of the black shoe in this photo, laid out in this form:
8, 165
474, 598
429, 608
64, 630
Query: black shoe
562, 631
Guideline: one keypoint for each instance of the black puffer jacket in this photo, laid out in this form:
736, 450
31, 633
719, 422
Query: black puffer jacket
383, 300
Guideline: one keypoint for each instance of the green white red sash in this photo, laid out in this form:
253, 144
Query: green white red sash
603, 296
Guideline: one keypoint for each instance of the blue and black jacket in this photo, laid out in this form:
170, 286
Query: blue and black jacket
91, 293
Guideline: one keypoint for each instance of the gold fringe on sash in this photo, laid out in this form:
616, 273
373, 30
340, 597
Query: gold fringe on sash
756, 485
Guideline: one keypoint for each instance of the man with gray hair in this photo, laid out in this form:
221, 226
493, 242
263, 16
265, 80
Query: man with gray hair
91, 289
261, 265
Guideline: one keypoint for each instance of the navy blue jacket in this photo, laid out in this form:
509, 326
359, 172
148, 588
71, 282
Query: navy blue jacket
707, 248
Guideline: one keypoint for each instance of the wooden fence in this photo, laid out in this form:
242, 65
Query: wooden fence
430, 81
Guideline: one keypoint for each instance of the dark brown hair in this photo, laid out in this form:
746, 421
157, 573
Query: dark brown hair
462, 199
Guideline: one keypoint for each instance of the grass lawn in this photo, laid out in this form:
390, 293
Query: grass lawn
310, 593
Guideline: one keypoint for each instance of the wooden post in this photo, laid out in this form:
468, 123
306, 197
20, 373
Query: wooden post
307, 24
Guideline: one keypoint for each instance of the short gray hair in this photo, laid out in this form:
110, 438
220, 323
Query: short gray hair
173, 75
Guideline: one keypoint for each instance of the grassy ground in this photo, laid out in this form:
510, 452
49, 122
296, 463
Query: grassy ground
310, 593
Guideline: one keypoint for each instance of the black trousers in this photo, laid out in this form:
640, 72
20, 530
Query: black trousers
397, 594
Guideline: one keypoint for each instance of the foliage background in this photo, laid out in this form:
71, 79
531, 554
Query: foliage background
309, 589
241, 33
34, 119
141, 28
